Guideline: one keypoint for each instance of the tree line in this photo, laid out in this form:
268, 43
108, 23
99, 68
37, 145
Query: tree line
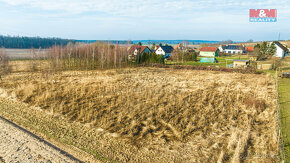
93, 56
18, 42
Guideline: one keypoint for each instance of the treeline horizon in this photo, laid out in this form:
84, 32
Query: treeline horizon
23, 42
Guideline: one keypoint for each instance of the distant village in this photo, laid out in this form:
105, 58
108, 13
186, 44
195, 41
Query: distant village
209, 54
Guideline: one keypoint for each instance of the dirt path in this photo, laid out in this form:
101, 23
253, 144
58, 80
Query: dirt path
20, 145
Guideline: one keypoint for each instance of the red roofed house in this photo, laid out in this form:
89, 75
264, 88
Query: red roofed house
249, 49
180, 47
209, 52
137, 49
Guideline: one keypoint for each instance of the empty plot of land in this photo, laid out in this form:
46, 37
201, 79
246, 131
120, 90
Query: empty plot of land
157, 115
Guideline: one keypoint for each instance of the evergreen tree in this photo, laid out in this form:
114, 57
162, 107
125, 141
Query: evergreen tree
153, 46
272, 49
31, 42
144, 57
263, 50
194, 56
161, 59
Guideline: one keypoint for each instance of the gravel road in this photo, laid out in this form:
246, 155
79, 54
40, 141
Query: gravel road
20, 145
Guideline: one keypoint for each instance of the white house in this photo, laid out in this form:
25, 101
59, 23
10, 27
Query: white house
209, 52
222, 48
166, 51
281, 51
232, 49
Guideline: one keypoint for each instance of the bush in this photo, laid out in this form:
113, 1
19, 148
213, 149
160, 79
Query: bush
190, 56
145, 57
151, 58
161, 59
187, 57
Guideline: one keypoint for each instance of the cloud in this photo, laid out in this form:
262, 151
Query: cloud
204, 19
139, 8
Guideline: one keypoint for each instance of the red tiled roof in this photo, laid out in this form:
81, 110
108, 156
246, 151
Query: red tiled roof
250, 49
156, 47
134, 47
209, 49
177, 46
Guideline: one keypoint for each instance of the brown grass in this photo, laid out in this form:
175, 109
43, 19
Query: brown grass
167, 114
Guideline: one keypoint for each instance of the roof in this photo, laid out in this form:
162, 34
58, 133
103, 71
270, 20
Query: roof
209, 49
190, 50
250, 49
167, 49
208, 60
134, 47
223, 47
280, 45
233, 47
178, 46
237, 60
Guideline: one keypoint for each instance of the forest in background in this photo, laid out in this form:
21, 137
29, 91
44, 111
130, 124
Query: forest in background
19, 42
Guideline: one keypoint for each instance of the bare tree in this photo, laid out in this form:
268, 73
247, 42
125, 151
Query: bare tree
80, 57
178, 55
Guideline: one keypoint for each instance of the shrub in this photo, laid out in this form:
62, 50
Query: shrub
151, 58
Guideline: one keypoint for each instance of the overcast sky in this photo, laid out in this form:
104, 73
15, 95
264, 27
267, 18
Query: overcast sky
143, 19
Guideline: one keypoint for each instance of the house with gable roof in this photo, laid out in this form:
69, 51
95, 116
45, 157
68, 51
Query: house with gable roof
166, 51
281, 51
138, 49
232, 49
209, 52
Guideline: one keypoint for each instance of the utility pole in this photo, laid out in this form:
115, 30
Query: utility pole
149, 43
279, 37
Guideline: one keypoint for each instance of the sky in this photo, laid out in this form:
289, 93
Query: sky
143, 19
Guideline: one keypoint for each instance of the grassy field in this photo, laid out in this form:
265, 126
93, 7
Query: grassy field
150, 114
284, 97
23, 54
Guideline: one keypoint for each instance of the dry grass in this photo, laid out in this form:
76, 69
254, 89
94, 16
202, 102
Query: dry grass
167, 114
